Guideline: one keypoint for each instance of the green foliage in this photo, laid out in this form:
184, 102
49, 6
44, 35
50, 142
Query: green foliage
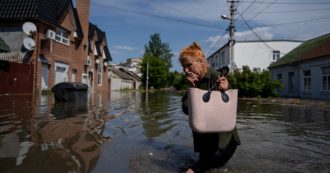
253, 83
158, 49
157, 72
158, 55
178, 80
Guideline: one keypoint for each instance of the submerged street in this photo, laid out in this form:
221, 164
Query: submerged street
137, 132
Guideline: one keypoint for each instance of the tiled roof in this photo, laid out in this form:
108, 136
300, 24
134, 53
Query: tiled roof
48, 11
122, 74
310, 49
93, 29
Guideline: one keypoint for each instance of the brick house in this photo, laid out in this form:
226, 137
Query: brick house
61, 39
98, 59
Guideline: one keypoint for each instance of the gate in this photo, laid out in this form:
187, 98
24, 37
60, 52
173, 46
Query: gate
16, 78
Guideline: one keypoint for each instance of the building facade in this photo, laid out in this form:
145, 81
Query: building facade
255, 54
305, 71
61, 39
97, 62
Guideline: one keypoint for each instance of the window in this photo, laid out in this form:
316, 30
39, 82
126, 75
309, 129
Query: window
291, 80
73, 75
62, 36
279, 77
307, 80
276, 55
99, 73
223, 57
326, 78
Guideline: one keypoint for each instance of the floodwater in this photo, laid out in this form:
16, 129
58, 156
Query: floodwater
134, 132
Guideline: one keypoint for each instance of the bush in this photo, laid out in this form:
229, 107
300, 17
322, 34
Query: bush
253, 83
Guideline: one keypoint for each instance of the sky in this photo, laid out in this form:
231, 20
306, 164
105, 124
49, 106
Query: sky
128, 24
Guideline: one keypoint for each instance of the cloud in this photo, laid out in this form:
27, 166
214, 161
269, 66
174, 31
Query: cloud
263, 32
125, 48
217, 41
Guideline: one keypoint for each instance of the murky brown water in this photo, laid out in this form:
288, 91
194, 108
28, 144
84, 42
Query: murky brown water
129, 133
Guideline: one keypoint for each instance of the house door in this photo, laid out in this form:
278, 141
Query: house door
90, 80
44, 79
61, 72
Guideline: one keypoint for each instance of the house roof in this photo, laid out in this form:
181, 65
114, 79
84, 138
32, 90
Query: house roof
93, 29
48, 11
122, 74
310, 49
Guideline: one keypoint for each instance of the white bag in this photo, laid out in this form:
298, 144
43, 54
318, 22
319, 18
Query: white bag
214, 115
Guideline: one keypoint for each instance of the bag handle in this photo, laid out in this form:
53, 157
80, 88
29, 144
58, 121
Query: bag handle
206, 97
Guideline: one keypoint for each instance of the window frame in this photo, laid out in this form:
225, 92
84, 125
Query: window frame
99, 73
276, 55
307, 75
325, 78
291, 81
62, 36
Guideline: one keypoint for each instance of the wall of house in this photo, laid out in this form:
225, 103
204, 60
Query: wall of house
220, 58
316, 79
56, 52
118, 84
284, 71
315, 67
259, 54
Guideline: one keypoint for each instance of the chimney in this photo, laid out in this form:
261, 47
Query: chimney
83, 13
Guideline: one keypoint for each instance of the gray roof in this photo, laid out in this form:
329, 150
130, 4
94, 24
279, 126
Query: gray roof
314, 48
93, 29
48, 11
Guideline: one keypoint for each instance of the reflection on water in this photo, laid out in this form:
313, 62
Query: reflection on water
50, 137
135, 132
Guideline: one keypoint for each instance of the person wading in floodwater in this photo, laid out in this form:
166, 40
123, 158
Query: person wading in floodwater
214, 149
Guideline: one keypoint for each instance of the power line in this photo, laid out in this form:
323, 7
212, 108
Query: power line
260, 11
294, 11
293, 3
251, 29
159, 16
299, 21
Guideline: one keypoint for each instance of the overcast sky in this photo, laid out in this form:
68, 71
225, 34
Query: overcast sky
129, 23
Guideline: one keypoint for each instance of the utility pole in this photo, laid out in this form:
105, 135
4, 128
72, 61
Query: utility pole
147, 79
231, 30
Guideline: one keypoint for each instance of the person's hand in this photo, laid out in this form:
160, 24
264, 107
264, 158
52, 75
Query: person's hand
192, 78
222, 83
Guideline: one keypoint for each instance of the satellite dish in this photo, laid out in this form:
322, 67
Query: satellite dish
29, 43
29, 28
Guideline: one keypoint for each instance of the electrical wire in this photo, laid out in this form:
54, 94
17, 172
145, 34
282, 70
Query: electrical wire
159, 16
293, 3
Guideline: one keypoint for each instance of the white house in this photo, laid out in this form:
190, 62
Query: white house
305, 71
123, 79
255, 54
133, 65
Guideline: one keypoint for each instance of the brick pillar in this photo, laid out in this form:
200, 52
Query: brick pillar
83, 10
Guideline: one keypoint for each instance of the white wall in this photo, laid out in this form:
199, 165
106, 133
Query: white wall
260, 54
118, 84
255, 54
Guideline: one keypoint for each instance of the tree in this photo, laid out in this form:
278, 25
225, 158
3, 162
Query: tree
158, 55
157, 72
158, 49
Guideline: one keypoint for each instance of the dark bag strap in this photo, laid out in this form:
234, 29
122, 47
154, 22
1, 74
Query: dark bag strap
206, 97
